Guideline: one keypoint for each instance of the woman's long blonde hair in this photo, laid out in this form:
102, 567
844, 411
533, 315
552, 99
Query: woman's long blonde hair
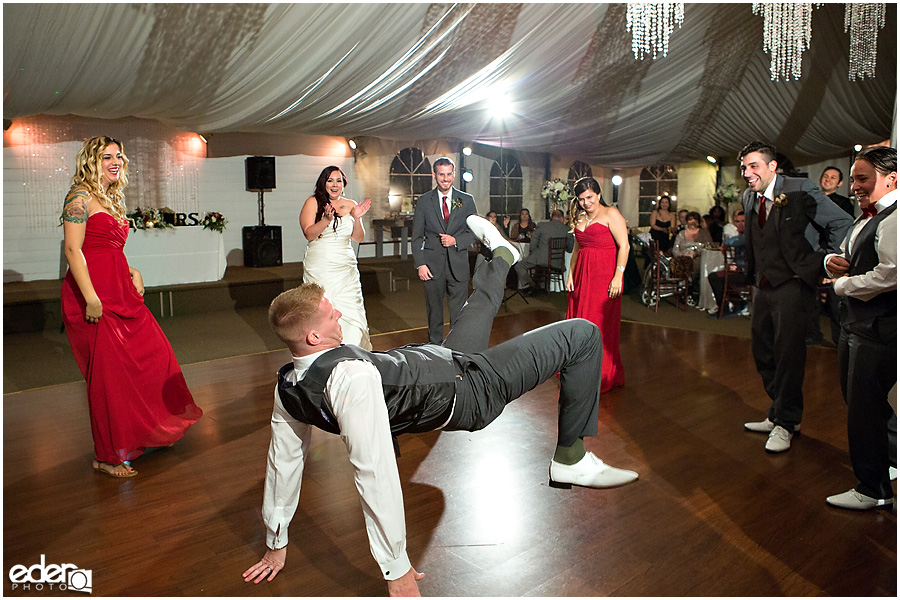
87, 175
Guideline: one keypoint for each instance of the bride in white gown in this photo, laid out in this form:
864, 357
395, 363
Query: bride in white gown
329, 221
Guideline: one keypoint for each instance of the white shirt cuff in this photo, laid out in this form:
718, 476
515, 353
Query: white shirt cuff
397, 568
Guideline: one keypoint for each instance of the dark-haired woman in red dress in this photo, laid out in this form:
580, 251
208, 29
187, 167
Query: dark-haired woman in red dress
136, 392
596, 272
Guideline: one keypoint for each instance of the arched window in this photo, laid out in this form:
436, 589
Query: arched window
410, 178
506, 185
577, 171
656, 181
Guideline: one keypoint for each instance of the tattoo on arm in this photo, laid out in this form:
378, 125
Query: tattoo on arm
75, 208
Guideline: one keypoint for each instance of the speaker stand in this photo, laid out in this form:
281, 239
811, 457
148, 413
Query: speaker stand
262, 212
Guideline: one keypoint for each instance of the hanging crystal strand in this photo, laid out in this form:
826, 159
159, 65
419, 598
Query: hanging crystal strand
650, 25
863, 21
787, 30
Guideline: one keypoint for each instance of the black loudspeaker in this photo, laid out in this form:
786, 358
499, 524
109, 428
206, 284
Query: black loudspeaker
260, 173
262, 246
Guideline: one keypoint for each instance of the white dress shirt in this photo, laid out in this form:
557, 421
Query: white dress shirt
883, 277
770, 201
354, 392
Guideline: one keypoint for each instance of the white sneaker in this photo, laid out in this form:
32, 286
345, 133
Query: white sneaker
590, 471
488, 235
853, 500
779, 440
765, 426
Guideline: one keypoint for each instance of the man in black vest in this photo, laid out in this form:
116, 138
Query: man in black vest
367, 397
866, 281
786, 219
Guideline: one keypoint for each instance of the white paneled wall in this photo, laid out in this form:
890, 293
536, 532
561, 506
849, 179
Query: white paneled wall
33, 198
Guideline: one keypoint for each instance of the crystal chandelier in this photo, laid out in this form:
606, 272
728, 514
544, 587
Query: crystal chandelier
651, 24
786, 33
863, 21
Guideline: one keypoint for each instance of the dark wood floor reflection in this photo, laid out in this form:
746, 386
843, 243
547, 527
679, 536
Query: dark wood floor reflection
712, 513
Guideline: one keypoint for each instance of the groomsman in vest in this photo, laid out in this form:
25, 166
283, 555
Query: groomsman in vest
441, 243
866, 281
786, 219
368, 397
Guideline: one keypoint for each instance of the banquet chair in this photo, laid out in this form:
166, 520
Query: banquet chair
665, 282
735, 287
554, 270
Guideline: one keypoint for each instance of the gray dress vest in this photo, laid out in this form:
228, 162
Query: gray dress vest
418, 381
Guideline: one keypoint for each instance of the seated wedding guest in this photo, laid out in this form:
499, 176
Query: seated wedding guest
730, 230
491, 216
663, 223
682, 219
865, 276
717, 277
540, 248
521, 231
369, 397
691, 240
713, 225
137, 395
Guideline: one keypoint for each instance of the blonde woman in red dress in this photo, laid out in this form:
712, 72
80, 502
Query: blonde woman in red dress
137, 396
596, 272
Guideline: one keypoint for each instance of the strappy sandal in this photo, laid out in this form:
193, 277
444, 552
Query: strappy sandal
108, 469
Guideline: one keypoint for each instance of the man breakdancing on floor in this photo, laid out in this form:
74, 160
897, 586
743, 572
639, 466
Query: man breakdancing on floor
368, 397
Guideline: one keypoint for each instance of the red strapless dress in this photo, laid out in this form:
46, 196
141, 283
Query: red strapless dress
136, 392
594, 270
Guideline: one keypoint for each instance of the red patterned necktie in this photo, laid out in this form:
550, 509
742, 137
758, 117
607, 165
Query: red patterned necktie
869, 211
762, 210
446, 211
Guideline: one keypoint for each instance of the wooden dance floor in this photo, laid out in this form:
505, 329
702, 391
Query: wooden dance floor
712, 513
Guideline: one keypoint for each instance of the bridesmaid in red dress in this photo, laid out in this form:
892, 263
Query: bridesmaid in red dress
137, 395
596, 272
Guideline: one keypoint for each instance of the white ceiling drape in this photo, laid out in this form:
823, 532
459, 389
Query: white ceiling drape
420, 71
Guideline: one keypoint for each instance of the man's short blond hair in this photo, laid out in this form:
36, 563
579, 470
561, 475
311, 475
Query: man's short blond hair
293, 312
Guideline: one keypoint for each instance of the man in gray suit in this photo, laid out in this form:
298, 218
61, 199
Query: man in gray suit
788, 218
441, 241
540, 247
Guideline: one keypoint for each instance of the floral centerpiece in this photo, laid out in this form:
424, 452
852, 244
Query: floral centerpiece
147, 218
556, 194
726, 193
214, 221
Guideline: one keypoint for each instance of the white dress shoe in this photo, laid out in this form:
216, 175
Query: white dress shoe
779, 440
765, 426
490, 236
853, 500
590, 471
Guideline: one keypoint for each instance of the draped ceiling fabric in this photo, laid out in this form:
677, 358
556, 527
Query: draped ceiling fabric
425, 71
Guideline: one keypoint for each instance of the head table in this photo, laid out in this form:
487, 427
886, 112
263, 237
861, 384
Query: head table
176, 255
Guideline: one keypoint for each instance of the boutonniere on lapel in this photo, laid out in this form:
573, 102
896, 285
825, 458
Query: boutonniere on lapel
456, 204
781, 200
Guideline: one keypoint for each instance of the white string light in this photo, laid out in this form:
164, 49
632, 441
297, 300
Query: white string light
863, 21
787, 29
651, 24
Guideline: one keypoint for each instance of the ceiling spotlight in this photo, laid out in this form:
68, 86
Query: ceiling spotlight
352, 144
467, 150
857, 147
499, 106
467, 175
616, 180
711, 159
